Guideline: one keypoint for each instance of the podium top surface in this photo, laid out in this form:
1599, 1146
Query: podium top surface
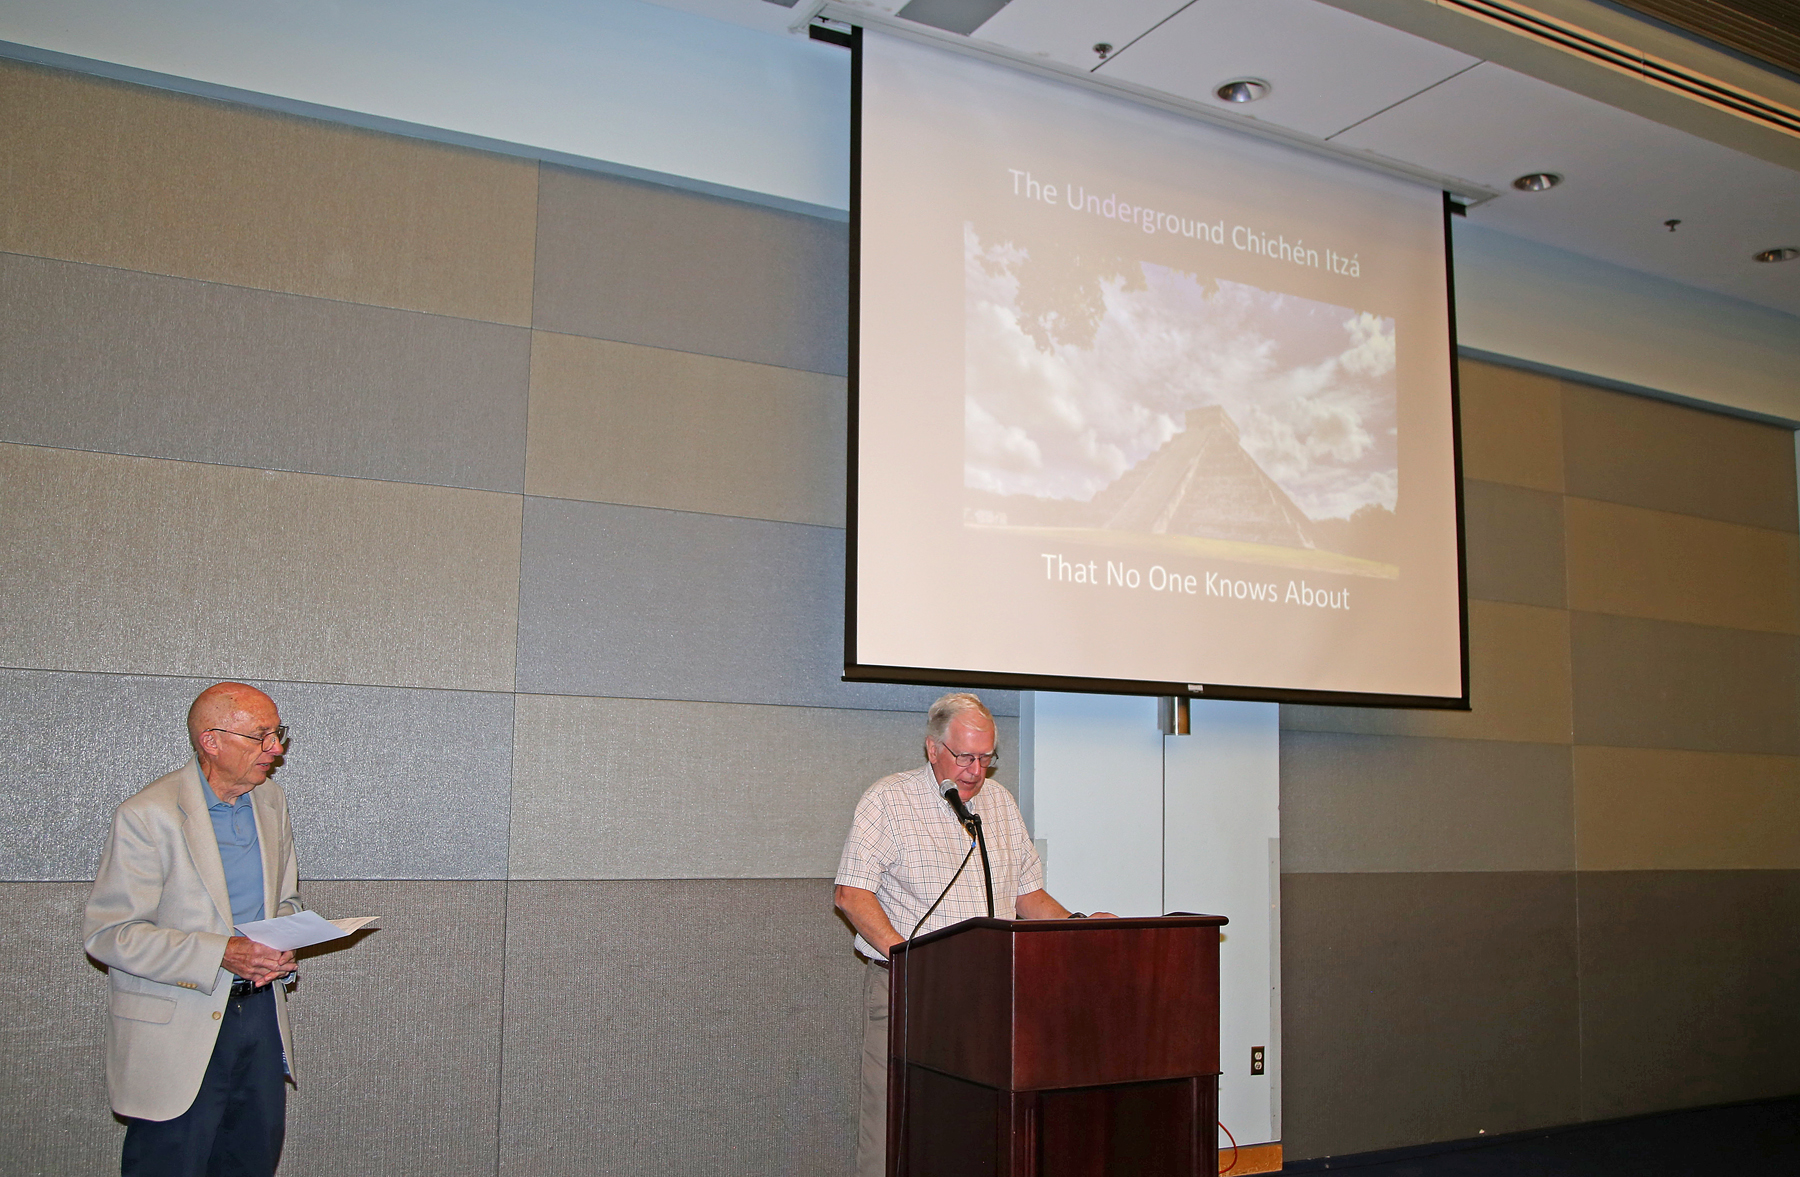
1175, 919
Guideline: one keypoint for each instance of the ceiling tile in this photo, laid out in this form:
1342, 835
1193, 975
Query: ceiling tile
1625, 176
1327, 69
1067, 30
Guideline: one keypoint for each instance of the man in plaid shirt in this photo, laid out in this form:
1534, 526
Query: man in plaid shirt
904, 848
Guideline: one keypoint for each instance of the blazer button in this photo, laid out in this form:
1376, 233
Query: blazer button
217, 1015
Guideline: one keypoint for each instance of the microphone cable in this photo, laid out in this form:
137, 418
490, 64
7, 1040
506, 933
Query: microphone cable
906, 999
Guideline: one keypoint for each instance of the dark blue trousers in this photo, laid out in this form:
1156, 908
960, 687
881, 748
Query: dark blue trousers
237, 1122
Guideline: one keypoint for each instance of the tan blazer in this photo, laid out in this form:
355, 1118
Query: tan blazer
158, 918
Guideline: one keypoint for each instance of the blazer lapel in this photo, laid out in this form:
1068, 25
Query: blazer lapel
202, 842
268, 847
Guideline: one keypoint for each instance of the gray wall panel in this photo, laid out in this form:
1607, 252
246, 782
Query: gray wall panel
54, 1118
646, 789
1688, 984
1385, 803
1514, 540
679, 1028
646, 604
639, 263
1421, 1007
359, 810
397, 1035
138, 565
1661, 684
102, 359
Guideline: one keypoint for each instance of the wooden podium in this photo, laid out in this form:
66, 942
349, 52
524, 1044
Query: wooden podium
1056, 1048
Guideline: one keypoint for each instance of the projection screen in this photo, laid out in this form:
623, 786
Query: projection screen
1141, 404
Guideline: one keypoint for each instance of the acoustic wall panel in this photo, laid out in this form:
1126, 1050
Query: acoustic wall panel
1649, 453
1419, 1007
1386, 803
136, 565
640, 263
1657, 564
92, 740
127, 363
649, 604
54, 1117
143, 179
648, 789
1514, 544
1658, 684
679, 1028
1511, 426
1518, 685
619, 423
1687, 988
397, 1033
1641, 809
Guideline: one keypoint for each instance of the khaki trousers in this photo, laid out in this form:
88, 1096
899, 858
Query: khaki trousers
871, 1132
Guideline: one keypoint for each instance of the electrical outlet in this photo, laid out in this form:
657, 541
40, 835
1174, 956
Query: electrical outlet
1256, 1060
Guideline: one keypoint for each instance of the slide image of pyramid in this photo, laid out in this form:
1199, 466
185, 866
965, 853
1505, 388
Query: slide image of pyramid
1202, 483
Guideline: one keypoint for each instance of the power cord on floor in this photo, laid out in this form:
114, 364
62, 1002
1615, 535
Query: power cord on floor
1234, 1149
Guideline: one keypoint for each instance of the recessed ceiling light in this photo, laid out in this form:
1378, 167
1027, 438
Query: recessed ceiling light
1783, 254
1242, 90
1537, 182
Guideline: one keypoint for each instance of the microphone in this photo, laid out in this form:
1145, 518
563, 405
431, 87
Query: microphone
969, 820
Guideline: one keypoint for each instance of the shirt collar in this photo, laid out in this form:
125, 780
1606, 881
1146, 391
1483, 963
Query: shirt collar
212, 798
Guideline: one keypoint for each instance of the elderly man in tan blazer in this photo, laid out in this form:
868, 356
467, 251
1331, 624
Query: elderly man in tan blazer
197, 1044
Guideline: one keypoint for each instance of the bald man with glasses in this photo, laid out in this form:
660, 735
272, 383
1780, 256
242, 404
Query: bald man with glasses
197, 1044
905, 848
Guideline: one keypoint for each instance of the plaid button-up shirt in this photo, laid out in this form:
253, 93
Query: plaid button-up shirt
905, 844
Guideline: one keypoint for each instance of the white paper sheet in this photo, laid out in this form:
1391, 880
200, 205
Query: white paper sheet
301, 930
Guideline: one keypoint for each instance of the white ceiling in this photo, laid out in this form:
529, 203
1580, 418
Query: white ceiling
1339, 77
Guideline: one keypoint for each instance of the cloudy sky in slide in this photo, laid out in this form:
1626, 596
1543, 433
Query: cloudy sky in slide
1309, 385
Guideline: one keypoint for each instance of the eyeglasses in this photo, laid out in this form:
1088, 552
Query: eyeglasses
971, 759
278, 737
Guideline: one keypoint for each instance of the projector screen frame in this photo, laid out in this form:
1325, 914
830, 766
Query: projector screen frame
860, 672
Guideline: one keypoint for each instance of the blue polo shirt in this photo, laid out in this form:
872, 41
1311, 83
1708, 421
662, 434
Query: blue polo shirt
239, 853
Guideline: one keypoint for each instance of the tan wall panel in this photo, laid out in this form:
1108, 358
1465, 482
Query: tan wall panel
1661, 809
1518, 686
1513, 540
1650, 453
140, 565
619, 423
120, 175
1642, 563
1511, 425
654, 789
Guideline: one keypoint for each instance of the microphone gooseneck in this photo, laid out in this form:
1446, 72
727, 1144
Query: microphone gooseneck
972, 823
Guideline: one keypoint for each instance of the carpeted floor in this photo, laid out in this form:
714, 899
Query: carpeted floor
1739, 1140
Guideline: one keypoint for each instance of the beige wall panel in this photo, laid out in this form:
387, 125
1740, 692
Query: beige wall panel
653, 789
1511, 425
1395, 803
1642, 563
1513, 538
1640, 683
1518, 686
54, 1117
140, 565
399, 1078
1661, 809
120, 175
619, 423
1650, 453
